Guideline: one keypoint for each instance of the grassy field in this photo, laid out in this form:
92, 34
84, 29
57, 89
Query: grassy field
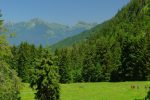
96, 91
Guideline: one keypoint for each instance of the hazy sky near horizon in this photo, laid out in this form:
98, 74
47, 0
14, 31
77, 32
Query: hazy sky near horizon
60, 11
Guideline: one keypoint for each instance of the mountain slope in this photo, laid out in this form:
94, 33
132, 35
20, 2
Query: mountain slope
128, 15
37, 31
117, 50
77, 38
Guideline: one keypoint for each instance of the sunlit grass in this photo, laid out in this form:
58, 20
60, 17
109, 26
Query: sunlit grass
96, 91
26, 92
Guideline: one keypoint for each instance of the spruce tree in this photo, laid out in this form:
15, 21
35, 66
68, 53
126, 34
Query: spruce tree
23, 65
64, 63
45, 78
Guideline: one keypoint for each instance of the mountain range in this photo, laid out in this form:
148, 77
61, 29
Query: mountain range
37, 31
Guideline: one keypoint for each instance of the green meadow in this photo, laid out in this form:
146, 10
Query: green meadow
96, 91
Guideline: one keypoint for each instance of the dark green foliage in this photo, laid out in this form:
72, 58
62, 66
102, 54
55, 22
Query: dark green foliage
22, 63
148, 95
147, 54
23, 57
89, 71
64, 66
45, 78
22, 60
132, 59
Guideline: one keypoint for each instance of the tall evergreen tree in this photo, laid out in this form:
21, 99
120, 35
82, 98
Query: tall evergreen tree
45, 78
23, 63
64, 63
89, 69
9, 82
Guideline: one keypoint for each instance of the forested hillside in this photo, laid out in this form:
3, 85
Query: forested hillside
116, 51
125, 11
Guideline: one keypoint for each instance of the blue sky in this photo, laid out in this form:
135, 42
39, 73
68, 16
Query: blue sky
60, 11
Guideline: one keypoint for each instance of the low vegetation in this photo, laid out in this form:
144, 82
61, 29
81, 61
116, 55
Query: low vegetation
97, 91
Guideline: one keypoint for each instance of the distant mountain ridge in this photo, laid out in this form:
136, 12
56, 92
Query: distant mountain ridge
37, 31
